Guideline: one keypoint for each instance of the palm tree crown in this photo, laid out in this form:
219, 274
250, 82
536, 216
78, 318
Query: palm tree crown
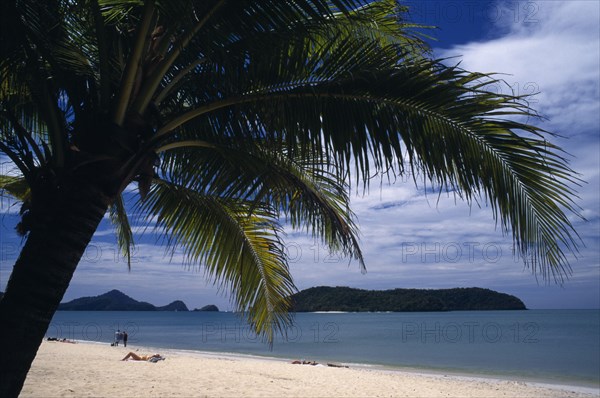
234, 115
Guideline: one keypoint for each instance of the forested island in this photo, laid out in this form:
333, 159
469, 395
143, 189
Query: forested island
324, 298
119, 301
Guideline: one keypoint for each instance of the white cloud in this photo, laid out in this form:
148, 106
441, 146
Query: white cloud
555, 53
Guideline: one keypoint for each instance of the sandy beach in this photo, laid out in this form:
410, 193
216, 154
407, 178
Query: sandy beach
96, 370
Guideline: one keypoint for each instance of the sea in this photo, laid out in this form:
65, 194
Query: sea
548, 346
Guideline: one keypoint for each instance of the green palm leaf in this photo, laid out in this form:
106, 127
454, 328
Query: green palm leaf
304, 190
120, 221
16, 187
424, 116
240, 249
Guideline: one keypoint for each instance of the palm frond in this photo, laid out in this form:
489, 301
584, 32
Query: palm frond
240, 250
424, 115
120, 221
241, 26
301, 189
17, 187
132, 69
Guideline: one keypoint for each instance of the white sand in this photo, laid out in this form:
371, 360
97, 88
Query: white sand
94, 370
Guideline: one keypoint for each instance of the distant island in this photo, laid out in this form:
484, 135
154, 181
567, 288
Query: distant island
119, 301
208, 308
325, 298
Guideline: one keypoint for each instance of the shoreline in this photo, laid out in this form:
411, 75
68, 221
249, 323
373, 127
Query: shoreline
446, 372
455, 344
454, 373
229, 374
585, 388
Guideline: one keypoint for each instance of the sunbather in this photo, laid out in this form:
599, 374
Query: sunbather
136, 357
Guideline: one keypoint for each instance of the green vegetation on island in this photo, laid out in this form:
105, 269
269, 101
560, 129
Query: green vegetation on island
208, 308
117, 301
324, 298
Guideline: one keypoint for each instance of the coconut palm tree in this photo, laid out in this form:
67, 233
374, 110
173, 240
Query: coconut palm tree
231, 118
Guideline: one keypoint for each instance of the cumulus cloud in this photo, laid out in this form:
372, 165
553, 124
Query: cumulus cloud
555, 52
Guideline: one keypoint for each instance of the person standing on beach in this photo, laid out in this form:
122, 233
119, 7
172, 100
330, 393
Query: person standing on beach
125, 338
118, 337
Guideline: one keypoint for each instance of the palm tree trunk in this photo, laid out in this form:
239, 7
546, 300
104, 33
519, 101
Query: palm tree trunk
41, 276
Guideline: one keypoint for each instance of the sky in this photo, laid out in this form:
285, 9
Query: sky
411, 238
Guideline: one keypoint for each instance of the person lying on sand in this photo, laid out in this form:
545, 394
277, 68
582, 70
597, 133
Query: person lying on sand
333, 365
305, 363
61, 340
136, 357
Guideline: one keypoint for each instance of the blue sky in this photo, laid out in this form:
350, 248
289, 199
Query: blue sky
409, 238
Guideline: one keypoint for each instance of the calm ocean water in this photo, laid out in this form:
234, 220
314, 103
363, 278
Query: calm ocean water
560, 346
